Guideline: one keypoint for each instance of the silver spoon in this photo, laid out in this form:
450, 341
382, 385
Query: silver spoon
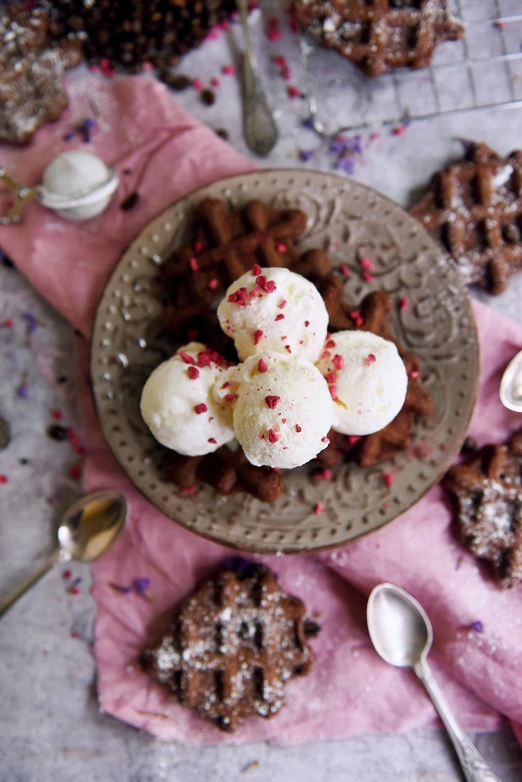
87, 530
258, 123
511, 385
402, 634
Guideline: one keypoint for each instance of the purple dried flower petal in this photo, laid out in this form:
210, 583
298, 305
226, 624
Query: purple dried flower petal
22, 391
118, 588
69, 136
308, 123
237, 564
346, 164
338, 146
477, 626
141, 585
306, 154
32, 323
88, 124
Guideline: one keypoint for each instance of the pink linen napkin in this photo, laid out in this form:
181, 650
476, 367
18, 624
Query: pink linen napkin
350, 690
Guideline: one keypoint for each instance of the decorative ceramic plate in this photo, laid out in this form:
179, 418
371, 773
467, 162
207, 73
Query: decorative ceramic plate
348, 220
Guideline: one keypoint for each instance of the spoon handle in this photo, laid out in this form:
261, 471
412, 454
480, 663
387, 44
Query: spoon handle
258, 123
7, 601
473, 764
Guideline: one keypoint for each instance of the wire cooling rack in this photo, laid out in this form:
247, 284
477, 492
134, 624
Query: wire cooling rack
481, 71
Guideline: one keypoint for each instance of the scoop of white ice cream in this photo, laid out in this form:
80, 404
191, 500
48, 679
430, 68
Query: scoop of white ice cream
274, 309
283, 411
367, 380
179, 407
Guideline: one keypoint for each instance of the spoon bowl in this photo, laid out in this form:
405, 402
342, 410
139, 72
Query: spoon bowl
511, 385
87, 530
399, 626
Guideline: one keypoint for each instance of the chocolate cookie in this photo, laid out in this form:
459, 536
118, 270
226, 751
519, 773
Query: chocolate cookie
232, 646
474, 208
488, 493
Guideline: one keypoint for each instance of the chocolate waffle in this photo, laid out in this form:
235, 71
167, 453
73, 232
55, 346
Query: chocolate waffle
232, 646
225, 245
31, 90
474, 208
379, 35
488, 494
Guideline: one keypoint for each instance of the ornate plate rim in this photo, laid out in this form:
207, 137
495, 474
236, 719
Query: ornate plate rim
451, 451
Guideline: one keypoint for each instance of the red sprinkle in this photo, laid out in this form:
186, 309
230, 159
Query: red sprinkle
273, 35
338, 361
293, 92
212, 440
359, 322
323, 474
255, 292
194, 265
262, 365
226, 384
330, 344
367, 277
74, 634
8, 323
278, 59
239, 297
201, 408
212, 284
414, 374
325, 354
198, 246
3, 479
256, 270
318, 508
399, 130
404, 303
272, 401
353, 438
230, 397
283, 304
331, 377
325, 440
388, 478
367, 264
186, 358
56, 415
287, 347
189, 490
333, 392
215, 82
268, 286
257, 336
74, 591
281, 248
273, 437
66, 574
283, 420
279, 317
198, 84
345, 271
307, 323
228, 70
298, 428
74, 471
193, 333
193, 372
370, 359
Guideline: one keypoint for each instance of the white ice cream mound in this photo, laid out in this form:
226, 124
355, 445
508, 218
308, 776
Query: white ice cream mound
367, 381
283, 410
179, 407
274, 309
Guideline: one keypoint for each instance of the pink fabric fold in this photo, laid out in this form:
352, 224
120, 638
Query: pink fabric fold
141, 130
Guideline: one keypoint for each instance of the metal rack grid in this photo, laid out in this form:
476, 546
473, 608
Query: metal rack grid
481, 71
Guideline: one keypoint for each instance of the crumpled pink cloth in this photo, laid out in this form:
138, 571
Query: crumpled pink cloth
350, 690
